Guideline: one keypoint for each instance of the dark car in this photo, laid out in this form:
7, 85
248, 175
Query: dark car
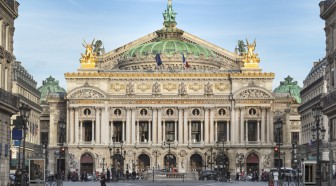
208, 175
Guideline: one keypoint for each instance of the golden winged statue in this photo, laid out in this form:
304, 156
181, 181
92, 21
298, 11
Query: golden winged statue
250, 57
89, 58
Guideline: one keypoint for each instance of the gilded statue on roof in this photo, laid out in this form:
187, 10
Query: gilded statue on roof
250, 56
89, 58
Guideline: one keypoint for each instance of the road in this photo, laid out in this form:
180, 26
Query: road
166, 183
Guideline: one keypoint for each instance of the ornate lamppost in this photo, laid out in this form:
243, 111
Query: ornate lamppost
278, 127
205, 160
168, 142
211, 158
221, 159
240, 160
103, 165
61, 153
317, 112
113, 157
24, 113
156, 155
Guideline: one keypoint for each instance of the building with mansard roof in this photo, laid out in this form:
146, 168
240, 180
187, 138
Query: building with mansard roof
8, 101
168, 100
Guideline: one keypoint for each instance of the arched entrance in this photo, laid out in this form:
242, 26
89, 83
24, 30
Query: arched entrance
196, 162
169, 162
86, 163
144, 162
252, 163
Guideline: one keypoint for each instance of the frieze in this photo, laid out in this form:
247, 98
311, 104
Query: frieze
295, 124
195, 87
86, 94
170, 102
143, 87
222, 86
117, 87
170, 86
253, 101
86, 102
253, 94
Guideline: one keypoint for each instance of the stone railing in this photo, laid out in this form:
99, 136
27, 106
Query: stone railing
8, 99
329, 99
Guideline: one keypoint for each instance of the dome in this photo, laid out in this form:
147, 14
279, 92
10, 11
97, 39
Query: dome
50, 85
170, 47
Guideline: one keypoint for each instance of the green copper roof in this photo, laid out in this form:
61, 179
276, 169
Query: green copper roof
291, 87
49, 85
170, 47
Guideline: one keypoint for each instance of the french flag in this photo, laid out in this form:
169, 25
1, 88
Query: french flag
185, 62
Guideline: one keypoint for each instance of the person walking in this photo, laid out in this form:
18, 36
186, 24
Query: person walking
108, 175
133, 174
102, 179
127, 174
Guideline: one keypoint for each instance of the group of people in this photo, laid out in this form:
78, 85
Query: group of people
253, 176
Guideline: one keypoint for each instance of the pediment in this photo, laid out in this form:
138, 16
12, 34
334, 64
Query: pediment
86, 93
253, 93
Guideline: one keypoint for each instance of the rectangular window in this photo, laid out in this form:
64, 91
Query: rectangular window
222, 131
143, 130
44, 137
195, 131
117, 131
295, 137
170, 130
252, 130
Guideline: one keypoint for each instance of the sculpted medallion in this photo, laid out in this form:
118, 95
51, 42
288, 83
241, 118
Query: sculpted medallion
143, 87
221, 86
117, 87
195, 87
169, 86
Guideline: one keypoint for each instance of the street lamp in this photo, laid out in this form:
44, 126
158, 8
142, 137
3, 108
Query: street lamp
317, 109
168, 142
240, 157
205, 161
156, 155
24, 113
113, 157
222, 159
278, 127
62, 150
211, 158
103, 165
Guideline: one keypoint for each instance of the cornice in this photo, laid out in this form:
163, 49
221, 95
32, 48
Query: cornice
8, 10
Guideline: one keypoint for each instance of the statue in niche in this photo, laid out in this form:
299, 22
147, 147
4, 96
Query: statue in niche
98, 49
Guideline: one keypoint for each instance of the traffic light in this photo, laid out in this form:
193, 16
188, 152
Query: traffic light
276, 152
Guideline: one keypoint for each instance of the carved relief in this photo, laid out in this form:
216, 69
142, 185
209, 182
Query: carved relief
143, 87
182, 89
195, 87
117, 87
266, 159
169, 86
252, 93
208, 89
156, 89
295, 124
221, 86
130, 88
86, 94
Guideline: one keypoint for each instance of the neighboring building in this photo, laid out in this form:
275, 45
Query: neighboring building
328, 14
49, 88
8, 102
314, 88
24, 87
169, 86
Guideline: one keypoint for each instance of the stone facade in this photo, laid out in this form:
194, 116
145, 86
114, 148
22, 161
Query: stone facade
169, 116
8, 102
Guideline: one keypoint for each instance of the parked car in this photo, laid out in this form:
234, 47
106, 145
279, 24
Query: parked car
207, 175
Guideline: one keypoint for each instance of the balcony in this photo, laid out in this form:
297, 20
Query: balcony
8, 101
329, 100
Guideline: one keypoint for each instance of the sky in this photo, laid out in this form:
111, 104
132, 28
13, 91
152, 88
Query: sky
49, 33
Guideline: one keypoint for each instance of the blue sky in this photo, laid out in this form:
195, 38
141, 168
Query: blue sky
49, 34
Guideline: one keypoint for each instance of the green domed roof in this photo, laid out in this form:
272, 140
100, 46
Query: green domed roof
49, 85
170, 46
291, 87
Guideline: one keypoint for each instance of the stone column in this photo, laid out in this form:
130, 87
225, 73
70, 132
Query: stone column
202, 131
271, 128
123, 131
216, 131
246, 130
268, 134
81, 130
76, 125
258, 130
105, 124
242, 125
180, 125
133, 136
68, 124
128, 125
185, 126
189, 131
175, 131
97, 136
154, 124
212, 126
263, 125
233, 126
72, 126
137, 126
206, 126
149, 131
164, 131
112, 129
159, 126
228, 130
